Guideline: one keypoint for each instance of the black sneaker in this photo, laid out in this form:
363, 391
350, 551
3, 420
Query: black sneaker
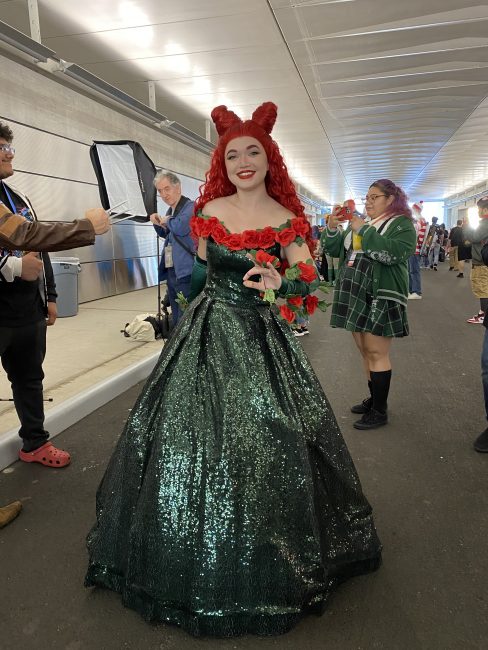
371, 420
481, 442
305, 330
460, 275
435, 267
364, 407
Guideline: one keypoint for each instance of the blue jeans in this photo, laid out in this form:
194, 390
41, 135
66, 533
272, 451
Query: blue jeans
434, 255
484, 369
176, 285
414, 274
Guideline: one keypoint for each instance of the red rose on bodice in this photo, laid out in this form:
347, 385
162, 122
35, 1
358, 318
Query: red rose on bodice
250, 239
219, 233
207, 225
195, 225
300, 226
234, 242
286, 236
267, 237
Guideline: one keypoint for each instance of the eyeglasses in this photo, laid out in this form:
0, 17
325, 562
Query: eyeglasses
7, 148
372, 197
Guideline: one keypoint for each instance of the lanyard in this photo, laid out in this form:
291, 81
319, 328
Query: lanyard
9, 198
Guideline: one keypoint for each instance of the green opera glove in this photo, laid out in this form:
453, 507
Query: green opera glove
198, 278
293, 288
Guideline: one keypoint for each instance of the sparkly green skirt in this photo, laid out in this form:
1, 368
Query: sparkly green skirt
231, 504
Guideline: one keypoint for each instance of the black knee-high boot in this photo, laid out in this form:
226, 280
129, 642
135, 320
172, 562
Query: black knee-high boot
380, 384
376, 416
366, 404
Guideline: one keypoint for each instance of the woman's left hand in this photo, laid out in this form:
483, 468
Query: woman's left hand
270, 278
356, 223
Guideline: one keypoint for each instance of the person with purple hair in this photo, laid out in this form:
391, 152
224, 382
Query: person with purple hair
370, 298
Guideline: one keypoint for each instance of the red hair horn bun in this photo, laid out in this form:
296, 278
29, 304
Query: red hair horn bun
265, 115
224, 119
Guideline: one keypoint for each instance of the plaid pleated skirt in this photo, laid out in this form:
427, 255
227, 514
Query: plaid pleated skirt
354, 308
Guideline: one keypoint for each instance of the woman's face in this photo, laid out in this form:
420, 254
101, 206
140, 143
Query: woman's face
377, 202
246, 162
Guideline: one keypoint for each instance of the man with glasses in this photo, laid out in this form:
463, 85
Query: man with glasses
27, 306
17, 232
178, 253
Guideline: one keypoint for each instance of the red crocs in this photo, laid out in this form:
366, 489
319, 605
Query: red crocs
47, 455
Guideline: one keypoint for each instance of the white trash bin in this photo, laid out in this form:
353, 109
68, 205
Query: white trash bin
66, 271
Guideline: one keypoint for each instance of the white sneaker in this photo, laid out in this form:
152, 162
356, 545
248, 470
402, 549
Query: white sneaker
477, 319
414, 296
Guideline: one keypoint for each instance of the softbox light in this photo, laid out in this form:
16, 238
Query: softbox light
125, 175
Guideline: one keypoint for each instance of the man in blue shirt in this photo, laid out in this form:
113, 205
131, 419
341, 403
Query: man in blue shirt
176, 262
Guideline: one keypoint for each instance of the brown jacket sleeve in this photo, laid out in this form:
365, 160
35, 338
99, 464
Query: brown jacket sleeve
16, 233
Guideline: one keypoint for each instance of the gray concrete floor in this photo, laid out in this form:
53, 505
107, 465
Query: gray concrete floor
427, 486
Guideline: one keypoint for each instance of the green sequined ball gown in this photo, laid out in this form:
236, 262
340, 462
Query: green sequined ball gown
231, 504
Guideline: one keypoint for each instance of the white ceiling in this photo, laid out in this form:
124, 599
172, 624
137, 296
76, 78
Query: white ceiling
366, 89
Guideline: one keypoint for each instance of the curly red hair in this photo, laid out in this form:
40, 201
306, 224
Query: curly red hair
229, 126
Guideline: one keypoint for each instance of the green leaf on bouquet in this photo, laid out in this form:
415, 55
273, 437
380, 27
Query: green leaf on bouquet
292, 272
323, 305
181, 300
269, 296
325, 286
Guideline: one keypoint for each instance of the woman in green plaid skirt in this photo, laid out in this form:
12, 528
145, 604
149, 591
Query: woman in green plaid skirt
370, 298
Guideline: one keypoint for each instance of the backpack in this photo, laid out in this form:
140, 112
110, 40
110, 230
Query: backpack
144, 327
150, 327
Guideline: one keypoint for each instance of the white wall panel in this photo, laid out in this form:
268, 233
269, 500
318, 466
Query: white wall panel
53, 127
40, 101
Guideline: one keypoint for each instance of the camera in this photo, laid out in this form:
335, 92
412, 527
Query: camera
347, 210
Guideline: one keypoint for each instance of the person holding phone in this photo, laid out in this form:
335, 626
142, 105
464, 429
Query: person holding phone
371, 291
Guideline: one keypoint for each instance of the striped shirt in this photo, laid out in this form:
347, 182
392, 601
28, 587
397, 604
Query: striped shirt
421, 228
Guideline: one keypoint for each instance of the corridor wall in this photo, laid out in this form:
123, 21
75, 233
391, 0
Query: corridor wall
54, 125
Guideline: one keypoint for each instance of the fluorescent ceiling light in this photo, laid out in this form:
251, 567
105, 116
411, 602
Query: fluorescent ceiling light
21, 42
49, 61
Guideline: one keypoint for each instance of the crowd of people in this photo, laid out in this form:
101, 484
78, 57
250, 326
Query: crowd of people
463, 243
238, 511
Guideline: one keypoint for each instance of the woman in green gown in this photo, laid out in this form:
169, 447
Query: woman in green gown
231, 504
